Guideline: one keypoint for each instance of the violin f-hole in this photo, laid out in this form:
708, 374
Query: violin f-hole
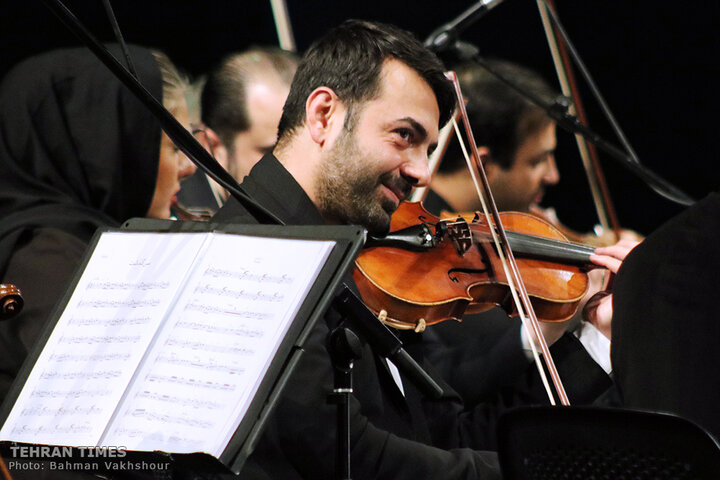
469, 271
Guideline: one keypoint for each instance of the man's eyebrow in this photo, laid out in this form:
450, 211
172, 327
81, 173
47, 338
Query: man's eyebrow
422, 133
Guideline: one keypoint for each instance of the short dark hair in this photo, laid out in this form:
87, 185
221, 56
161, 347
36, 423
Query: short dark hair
223, 101
349, 60
500, 117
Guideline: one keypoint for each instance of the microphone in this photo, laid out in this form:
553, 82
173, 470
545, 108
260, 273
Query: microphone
446, 35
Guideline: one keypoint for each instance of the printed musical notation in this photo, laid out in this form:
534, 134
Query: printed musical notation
116, 304
213, 309
55, 375
164, 320
104, 331
181, 401
255, 296
108, 322
137, 286
203, 346
93, 358
76, 393
54, 430
167, 419
43, 411
195, 383
248, 275
235, 330
101, 339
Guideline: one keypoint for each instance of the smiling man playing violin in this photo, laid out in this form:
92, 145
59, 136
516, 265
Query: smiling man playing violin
361, 118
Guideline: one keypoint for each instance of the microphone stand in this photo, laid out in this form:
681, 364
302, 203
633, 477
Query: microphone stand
570, 123
445, 39
345, 346
385, 343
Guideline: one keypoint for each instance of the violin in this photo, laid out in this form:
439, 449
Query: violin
11, 301
461, 272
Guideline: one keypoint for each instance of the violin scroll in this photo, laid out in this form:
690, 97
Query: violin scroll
11, 301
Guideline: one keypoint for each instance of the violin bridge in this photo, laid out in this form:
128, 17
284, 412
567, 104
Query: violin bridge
461, 236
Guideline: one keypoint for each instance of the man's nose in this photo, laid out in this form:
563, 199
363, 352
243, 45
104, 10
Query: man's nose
552, 174
416, 171
186, 167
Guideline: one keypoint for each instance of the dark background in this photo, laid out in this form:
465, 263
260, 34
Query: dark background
656, 64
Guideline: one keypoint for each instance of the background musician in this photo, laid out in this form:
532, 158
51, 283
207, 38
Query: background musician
241, 104
77, 151
516, 140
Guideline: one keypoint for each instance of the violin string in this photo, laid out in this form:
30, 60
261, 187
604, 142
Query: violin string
513, 290
547, 248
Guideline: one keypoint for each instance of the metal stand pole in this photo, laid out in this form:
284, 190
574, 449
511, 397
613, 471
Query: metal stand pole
345, 348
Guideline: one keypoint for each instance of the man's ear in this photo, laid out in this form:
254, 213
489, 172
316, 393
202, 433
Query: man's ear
323, 108
212, 143
491, 167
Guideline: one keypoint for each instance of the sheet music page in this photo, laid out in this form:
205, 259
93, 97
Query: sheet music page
100, 338
211, 355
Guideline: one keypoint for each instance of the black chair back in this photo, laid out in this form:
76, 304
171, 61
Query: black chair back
589, 443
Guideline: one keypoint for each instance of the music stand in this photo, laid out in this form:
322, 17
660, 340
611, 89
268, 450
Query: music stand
347, 241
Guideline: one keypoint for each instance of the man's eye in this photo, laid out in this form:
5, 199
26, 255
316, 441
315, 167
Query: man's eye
540, 160
405, 133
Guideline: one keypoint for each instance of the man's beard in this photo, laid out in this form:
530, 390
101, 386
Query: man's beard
348, 187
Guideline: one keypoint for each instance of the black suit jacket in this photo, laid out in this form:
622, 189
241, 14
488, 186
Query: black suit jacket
666, 324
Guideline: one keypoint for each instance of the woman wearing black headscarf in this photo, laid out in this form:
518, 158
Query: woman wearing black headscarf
77, 151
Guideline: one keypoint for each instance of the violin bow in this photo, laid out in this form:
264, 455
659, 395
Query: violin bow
588, 153
515, 282
286, 39
444, 137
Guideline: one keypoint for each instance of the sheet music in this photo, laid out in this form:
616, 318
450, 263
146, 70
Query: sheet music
100, 338
212, 353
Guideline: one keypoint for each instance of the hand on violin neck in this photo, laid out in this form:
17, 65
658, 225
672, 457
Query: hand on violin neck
612, 257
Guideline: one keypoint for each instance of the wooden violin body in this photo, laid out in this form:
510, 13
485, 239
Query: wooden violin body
463, 272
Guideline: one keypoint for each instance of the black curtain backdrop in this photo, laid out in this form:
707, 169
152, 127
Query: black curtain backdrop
656, 63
